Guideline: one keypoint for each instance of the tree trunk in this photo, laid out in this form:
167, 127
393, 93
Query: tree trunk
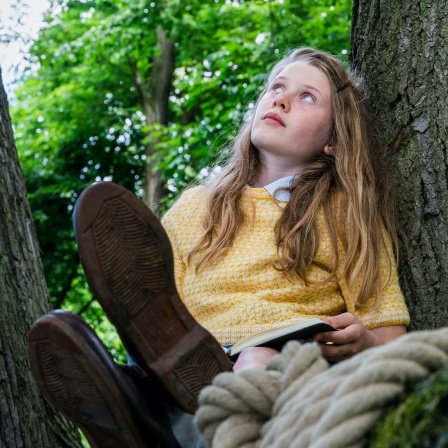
154, 97
401, 49
25, 419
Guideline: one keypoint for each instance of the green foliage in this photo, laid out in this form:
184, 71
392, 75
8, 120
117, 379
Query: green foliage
79, 116
220, 81
421, 420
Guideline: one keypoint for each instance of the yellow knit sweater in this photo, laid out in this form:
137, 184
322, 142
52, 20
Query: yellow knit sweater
243, 293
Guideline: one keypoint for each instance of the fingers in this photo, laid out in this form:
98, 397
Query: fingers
342, 320
346, 335
341, 344
336, 353
350, 338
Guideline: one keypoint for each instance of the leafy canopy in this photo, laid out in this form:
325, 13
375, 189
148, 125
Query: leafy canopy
79, 118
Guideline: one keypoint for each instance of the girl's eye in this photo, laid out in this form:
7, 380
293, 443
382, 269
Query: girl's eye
277, 88
308, 97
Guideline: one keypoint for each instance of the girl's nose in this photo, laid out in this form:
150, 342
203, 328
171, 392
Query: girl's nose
282, 100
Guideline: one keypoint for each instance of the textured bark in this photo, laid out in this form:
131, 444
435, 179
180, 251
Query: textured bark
25, 419
153, 96
401, 48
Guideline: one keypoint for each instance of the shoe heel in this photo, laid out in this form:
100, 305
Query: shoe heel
77, 375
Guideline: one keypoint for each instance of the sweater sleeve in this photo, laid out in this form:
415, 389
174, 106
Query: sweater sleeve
176, 222
179, 265
392, 309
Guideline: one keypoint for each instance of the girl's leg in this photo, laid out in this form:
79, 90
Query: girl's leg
128, 262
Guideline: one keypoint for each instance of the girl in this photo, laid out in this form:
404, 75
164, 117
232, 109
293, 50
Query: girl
298, 224
247, 261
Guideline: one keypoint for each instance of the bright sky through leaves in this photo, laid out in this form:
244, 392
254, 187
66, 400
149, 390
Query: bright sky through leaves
10, 54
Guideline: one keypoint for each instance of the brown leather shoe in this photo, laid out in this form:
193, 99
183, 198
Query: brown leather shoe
76, 373
128, 262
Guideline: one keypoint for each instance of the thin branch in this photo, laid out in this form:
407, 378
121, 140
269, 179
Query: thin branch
85, 307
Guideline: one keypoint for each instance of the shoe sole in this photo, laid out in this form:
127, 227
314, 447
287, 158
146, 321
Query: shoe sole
77, 375
128, 262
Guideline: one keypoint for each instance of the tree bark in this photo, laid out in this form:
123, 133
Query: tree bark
25, 418
401, 48
154, 96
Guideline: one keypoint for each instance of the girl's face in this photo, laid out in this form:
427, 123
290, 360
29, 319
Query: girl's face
293, 119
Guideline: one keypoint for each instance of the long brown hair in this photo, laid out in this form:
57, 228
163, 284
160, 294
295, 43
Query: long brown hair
351, 188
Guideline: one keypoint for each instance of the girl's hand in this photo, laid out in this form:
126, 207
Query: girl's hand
352, 337
254, 358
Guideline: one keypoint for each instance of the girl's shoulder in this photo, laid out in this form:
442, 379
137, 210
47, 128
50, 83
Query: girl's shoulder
192, 196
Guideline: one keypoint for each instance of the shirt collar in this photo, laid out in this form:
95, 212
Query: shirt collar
280, 195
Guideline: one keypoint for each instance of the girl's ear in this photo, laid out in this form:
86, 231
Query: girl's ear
329, 149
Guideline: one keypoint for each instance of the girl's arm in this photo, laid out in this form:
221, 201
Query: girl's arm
352, 337
388, 333
254, 358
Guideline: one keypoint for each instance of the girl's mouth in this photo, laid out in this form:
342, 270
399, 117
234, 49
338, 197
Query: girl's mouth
274, 118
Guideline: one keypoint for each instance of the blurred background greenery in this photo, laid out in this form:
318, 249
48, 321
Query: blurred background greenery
78, 114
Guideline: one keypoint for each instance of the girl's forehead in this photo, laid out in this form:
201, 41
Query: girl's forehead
302, 69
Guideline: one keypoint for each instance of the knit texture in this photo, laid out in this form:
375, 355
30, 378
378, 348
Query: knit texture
243, 293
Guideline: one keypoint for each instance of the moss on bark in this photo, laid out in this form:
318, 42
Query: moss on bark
420, 420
